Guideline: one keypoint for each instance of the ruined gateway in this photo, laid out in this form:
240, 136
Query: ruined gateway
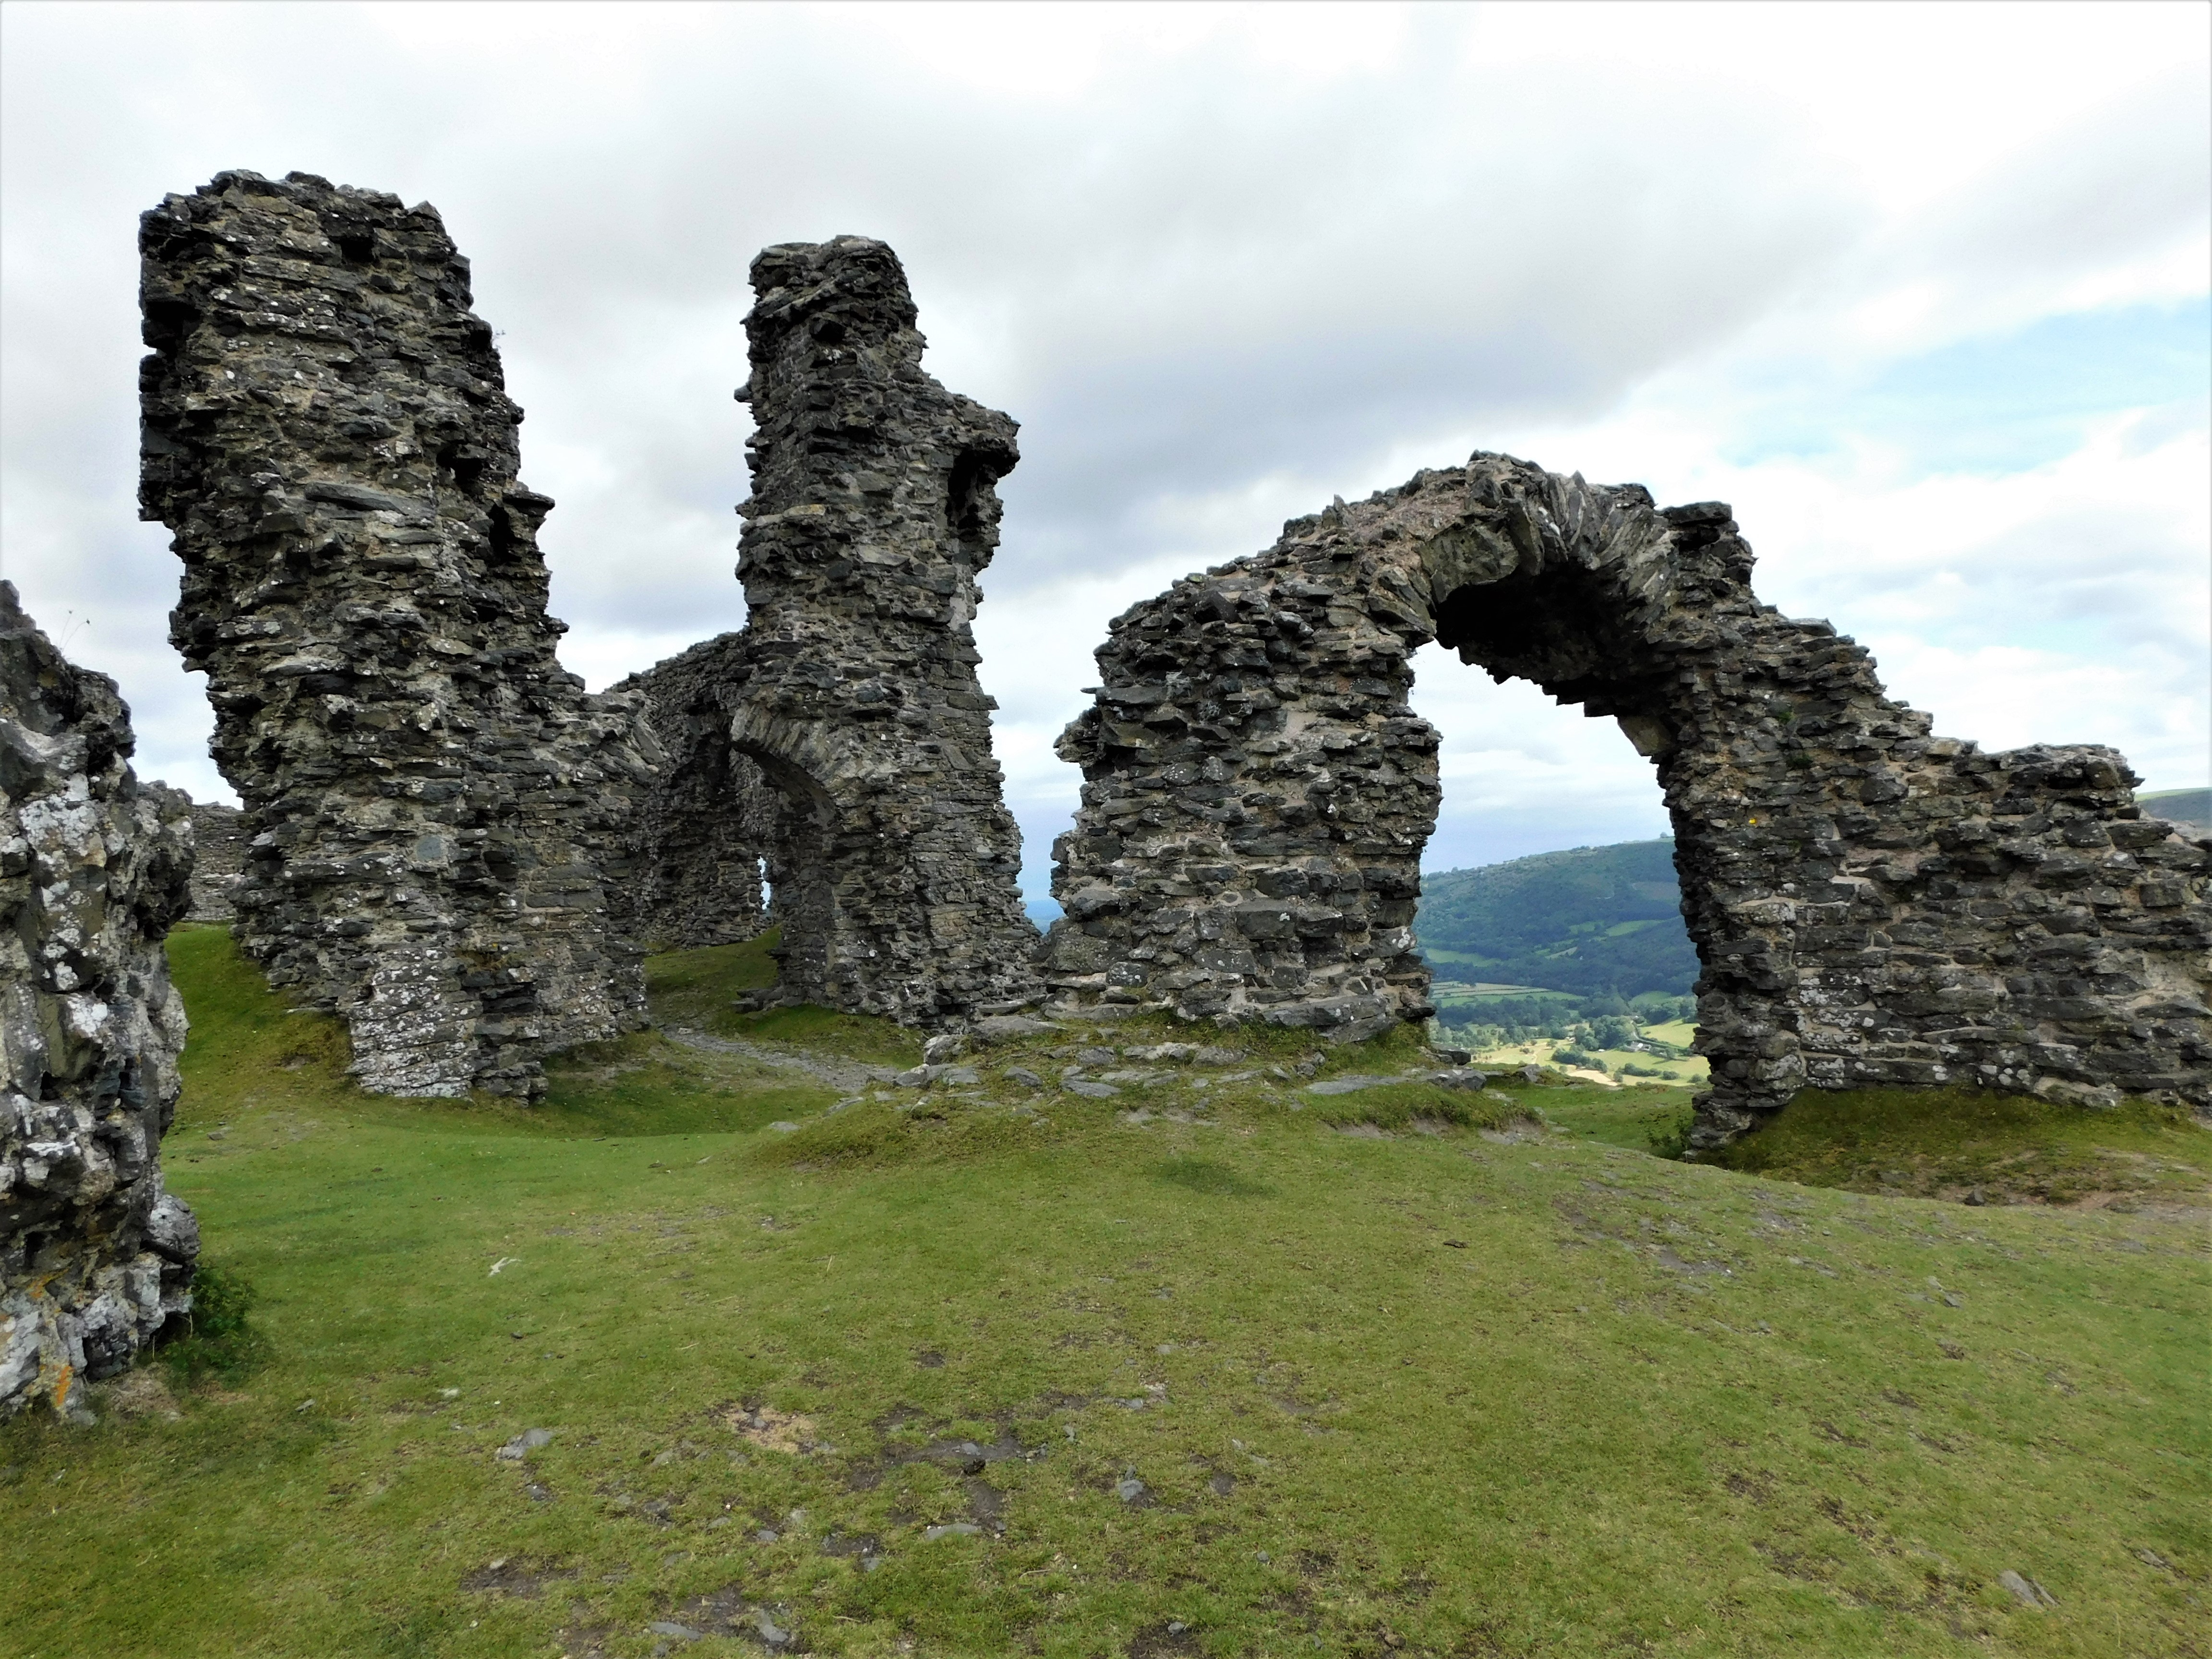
452, 843
1871, 905
95, 1258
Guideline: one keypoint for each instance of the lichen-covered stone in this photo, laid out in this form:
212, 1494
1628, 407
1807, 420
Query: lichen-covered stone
95, 1257
438, 814
219, 836
852, 685
707, 831
1872, 905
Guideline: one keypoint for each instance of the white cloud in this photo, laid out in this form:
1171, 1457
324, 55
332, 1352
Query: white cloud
1223, 262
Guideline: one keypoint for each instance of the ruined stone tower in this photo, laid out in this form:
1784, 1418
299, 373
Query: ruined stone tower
95, 1256
852, 685
438, 813
1872, 905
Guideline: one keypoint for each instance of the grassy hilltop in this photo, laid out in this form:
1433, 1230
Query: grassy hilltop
1219, 1363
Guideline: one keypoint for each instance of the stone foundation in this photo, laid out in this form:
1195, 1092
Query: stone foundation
95, 1257
1872, 905
439, 816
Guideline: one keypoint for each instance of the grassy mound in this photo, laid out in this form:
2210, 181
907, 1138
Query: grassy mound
1423, 1108
1980, 1146
1004, 1368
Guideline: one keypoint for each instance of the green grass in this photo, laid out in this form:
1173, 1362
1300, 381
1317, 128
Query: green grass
1528, 1393
640, 1086
2008, 1148
1419, 1105
695, 987
1639, 1120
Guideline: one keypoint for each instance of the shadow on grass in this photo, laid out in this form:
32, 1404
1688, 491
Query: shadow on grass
695, 987
1210, 1177
631, 1088
221, 1341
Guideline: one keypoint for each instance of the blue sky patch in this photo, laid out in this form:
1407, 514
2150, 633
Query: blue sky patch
2006, 404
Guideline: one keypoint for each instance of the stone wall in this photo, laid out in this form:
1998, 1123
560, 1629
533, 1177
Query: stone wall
852, 685
1871, 904
95, 1257
219, 837
438, 814
707, 832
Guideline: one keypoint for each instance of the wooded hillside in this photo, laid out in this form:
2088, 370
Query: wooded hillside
1590, 919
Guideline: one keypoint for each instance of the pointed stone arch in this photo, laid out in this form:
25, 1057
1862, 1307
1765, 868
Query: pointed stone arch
1870, 904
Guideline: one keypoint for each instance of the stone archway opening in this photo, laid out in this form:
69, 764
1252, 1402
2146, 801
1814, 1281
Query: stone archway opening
1561, 654
796, 868
1870, 904
1550, 914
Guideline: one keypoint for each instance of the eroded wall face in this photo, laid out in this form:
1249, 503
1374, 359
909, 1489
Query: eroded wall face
852, 685
1872, 905
219, 836
707, 831
95, 1256
438, 814
1256, 793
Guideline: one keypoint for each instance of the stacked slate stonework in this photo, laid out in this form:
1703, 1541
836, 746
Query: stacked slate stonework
1872, 905
852, 685
218, 861
707, 831
438, 814
95, 1257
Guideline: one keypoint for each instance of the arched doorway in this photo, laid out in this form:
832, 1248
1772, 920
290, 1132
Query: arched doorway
1870, 905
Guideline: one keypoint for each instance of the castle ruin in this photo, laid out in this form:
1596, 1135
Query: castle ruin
852, 688
438, 817
1872, 905
452, 844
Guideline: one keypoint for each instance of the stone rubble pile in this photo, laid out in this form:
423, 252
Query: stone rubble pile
438, 816
95, 1258
1872, 905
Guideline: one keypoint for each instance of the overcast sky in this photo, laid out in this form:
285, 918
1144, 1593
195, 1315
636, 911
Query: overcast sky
1921, 290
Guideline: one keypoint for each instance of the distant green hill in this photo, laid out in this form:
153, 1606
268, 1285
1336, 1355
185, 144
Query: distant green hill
2189, 806
1593, 919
